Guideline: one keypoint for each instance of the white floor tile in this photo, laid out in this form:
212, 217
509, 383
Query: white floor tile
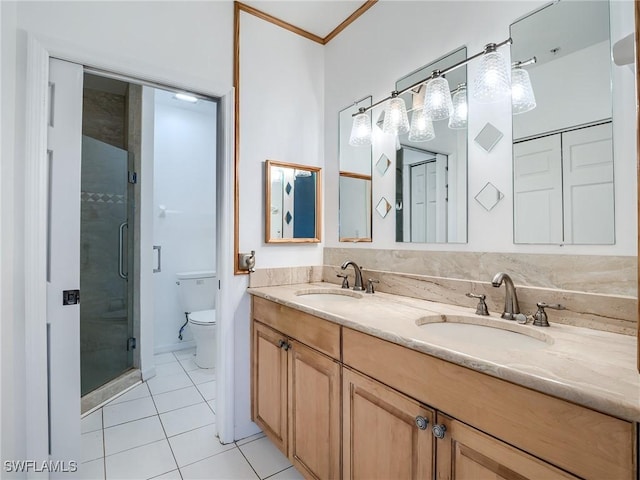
93, 470
91, 422
167, 369
173, 475
186, 353
142, 462
264, 457
189, 364
212, 405
203, 375
226, 465
177, 399
128, 411
187, 418
92, 446
132, 434
135, 393
170, 382
242, 441
208, 390
289, 474
196, 445
162, 358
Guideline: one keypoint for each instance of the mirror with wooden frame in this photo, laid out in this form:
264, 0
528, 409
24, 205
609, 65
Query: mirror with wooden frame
292, 203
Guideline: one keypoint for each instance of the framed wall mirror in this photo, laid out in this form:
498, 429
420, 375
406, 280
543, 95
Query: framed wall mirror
431, 167
355, 180
562, 125
292, 203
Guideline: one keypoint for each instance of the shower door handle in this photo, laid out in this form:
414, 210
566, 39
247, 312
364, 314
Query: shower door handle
121, 271
159, 249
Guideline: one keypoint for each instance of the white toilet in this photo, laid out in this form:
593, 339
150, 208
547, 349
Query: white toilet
197, 291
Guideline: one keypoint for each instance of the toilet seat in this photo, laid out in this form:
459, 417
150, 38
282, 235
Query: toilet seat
203, 317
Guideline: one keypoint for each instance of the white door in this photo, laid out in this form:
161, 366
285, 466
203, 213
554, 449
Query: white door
419, 202
63, 272
537, 190
588, 185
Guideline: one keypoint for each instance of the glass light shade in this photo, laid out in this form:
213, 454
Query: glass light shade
522, 97
437, 99
458, 118
492, 79
396, 121
421, 127
360, 131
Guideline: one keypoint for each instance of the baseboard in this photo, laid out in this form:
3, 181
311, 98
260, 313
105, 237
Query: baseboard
148, 373
174, 347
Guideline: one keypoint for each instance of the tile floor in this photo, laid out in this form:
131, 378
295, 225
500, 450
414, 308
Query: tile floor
165, 429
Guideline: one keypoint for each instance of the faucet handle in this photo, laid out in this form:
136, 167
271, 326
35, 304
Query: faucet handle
540, 317
481, 309
370, 283
345, 280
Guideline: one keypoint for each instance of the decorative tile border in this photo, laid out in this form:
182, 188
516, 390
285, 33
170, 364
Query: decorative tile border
93, 197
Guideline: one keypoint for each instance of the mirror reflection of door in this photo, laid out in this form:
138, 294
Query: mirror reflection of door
425, 216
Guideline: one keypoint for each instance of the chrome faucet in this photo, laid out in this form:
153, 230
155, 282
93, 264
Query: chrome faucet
358, 281
511, 307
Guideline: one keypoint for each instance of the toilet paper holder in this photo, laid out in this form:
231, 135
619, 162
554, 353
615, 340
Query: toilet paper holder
247, 261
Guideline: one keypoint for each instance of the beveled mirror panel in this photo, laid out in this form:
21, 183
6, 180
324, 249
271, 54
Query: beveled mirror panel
563, 147
355, 180
431, 175
292, 213
355, 207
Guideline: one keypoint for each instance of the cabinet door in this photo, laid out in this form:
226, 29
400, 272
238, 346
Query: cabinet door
314, 401
467, 454
380, 437
269, 384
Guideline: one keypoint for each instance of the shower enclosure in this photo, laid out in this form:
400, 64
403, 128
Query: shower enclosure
106, 258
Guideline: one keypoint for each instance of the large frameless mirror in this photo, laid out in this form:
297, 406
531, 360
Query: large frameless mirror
292, 213
431, 161
562, 125
355, 176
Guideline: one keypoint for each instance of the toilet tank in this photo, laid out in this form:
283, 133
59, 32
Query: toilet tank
197, 290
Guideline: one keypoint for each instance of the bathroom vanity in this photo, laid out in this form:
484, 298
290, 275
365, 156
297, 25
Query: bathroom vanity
349, 385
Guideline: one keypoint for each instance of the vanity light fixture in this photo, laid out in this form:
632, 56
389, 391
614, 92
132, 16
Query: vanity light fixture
185, 97
491, 85
437, 97
522, 96
396, 121
421, 127
458, 119
361, 129
492, 80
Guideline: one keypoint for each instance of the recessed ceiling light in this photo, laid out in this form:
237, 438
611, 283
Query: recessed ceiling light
185, 97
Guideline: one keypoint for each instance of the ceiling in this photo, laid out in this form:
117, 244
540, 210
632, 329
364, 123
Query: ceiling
319, 17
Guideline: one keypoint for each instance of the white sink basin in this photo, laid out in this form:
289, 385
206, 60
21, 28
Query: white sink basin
328, 294
461, 330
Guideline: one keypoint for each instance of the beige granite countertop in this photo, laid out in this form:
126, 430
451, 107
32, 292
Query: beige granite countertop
589, 367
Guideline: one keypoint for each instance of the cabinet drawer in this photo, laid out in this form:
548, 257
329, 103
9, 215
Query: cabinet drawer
575, 438
312, 331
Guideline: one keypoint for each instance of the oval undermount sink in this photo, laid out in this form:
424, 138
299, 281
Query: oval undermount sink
483, 331
328, 294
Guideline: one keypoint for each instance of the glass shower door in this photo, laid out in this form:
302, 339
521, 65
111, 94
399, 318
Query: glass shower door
106, 235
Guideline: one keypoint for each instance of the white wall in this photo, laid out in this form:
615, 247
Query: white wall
184, 178
186, 44
282, 118
359, 63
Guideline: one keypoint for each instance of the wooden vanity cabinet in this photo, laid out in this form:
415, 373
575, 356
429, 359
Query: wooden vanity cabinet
296, 389
380, 436
465, 453
543, 429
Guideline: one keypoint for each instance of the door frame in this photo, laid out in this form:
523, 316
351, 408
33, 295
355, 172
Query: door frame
35, 262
